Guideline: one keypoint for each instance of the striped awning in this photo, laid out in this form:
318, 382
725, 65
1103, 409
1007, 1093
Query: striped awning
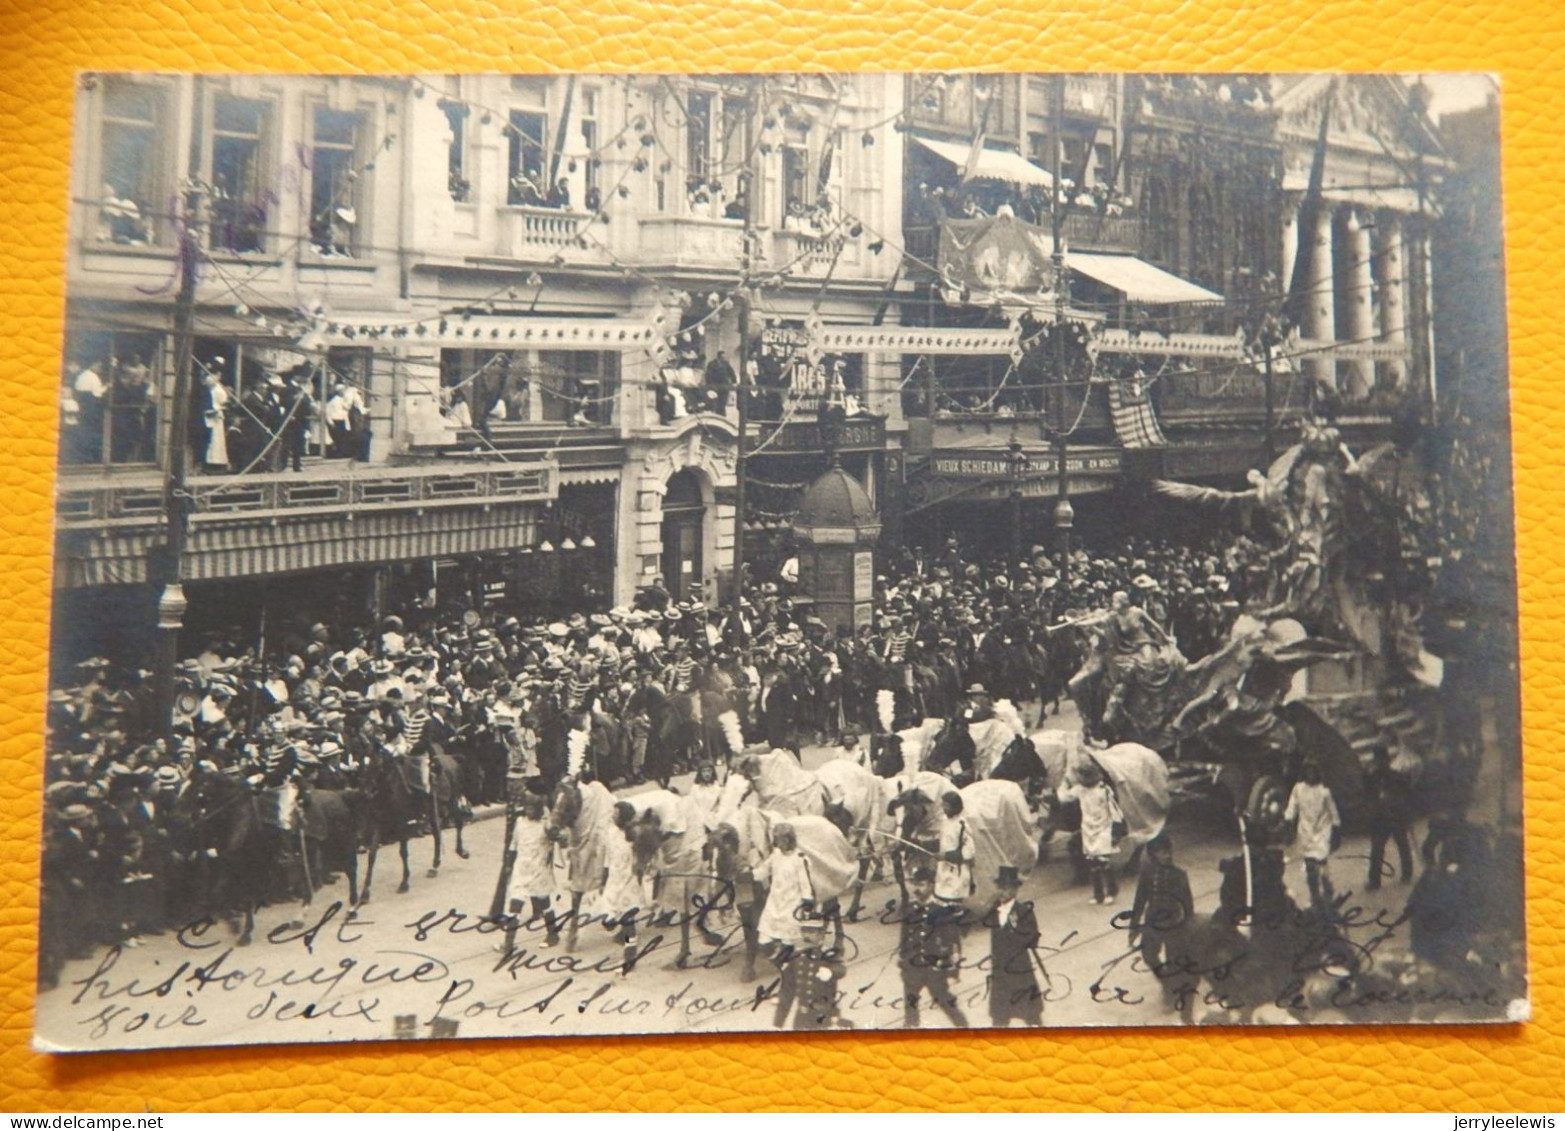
230, 550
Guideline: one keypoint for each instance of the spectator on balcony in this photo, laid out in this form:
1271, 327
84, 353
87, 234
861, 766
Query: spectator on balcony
525, 191
120, 219
260, 416
131, 429
298, 409
720, 381
698, 197
560, 195
88, 391
738, 208
213, 404
345, 422
793, 217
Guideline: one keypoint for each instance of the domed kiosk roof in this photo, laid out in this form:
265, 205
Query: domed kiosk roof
836, 501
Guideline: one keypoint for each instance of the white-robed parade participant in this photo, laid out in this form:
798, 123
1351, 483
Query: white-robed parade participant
531, 890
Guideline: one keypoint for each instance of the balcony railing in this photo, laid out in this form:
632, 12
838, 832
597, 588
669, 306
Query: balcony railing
691, 241
807, 254
137, 499
527, 232
1092, 231
1087, 94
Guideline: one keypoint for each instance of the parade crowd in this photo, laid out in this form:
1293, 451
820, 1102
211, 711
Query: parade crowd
624, 696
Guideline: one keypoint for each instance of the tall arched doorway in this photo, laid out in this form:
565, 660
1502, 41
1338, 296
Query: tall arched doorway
684, 535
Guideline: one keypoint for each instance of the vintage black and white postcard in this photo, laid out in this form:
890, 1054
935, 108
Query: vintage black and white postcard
588, 554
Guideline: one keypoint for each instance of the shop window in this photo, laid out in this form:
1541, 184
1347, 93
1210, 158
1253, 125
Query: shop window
237, 152
109, 398
336, 181
525, 165
134, 195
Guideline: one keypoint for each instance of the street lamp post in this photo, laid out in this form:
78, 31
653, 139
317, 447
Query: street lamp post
1064, 513
1064, 519
1016, 463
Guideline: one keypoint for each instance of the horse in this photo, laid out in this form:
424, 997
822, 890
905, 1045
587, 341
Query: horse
856, 792
1001, 750
1138, 774
739, 844
399, 805
781, 708
917, 797
782, 784
238, 850
997, 814
334, 822
609, 747
666, 849
581, 818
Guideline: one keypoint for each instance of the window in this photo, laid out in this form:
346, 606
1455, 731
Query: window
109, 398
335, 181
734, 144
1073, 160
132, 193
1162, 240
698, 136
593, 199
578, 386
1206, 252
525, 164
796, 194
239, 195
457, 182
1102, 165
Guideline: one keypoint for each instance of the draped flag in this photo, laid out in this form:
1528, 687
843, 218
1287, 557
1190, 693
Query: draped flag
1134, 421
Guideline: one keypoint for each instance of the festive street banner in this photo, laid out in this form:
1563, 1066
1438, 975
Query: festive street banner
998, 259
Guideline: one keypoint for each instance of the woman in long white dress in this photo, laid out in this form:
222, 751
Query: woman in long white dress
215, 416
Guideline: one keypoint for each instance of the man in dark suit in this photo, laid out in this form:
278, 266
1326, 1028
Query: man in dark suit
930, 945
1013, 936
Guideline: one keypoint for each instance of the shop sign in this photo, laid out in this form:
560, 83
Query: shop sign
999, 467
864, 575
804, 436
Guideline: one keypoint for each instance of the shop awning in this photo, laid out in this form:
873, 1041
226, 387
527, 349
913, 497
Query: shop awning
1138, 280
993, 164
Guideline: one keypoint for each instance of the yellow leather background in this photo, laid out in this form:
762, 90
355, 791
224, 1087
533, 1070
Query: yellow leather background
43, 42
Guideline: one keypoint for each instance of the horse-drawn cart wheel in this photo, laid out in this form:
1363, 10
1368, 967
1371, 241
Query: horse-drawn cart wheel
1268, 802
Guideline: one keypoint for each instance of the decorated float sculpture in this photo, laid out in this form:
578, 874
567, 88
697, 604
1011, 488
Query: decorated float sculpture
1345, 574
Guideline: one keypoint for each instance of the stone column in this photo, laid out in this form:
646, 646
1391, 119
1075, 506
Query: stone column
1290, 241
1393, 291
1320, 323
1358, 316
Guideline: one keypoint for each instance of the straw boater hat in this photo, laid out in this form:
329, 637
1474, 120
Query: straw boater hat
558, 630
